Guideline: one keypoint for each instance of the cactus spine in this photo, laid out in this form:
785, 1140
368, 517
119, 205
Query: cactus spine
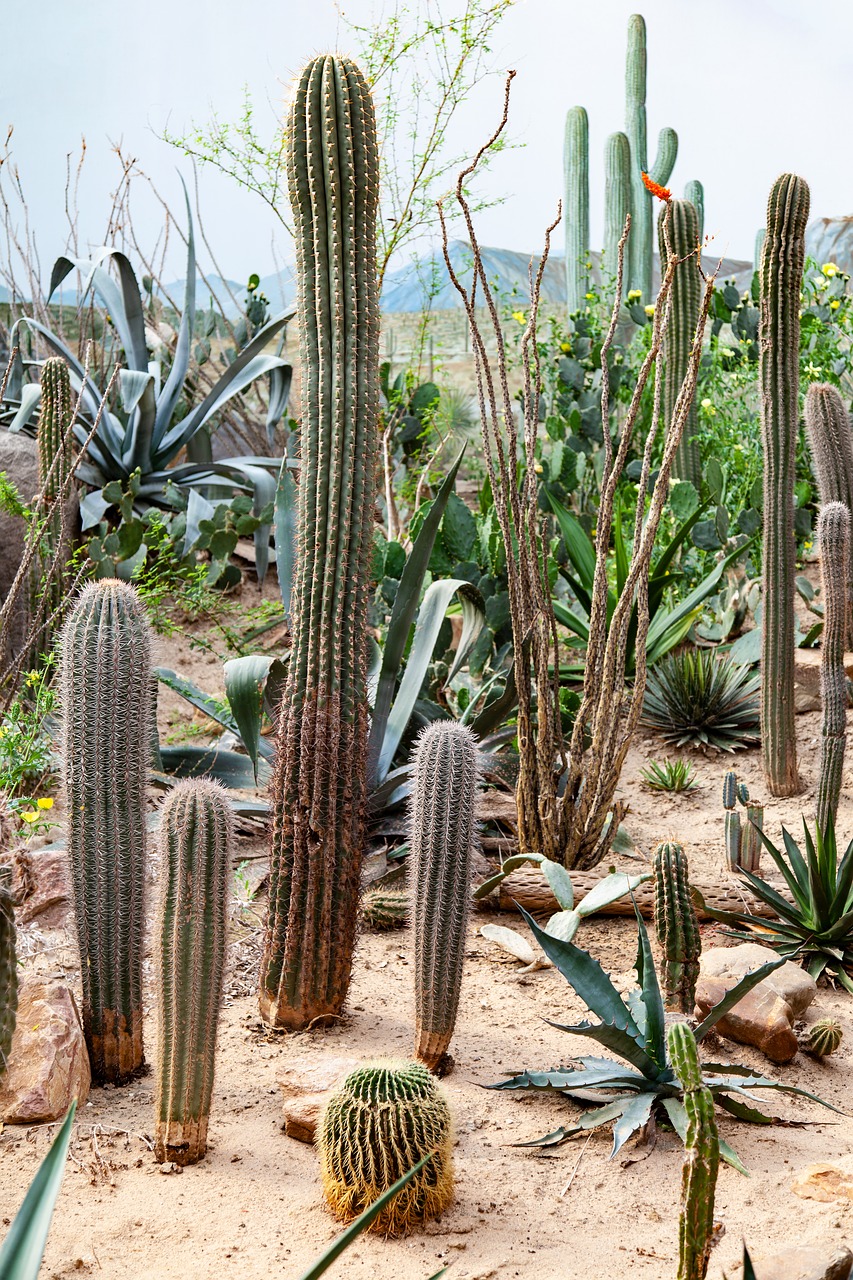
831, 442
743, 844
677, 927
779, 342
384, 909
441, 841
105, 670
381, 1121
617, 196
702, 1157
823, 1037
576, 187
318, 792
8, 967
642, 225
695, 193
679, 234
833, 531
196, 836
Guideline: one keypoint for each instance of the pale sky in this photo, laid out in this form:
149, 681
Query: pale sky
752, 87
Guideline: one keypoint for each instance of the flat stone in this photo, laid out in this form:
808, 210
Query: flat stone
302, 1115
765, 1016
48, 1063
48, 893
306, 1084
804, 1262
825, 1182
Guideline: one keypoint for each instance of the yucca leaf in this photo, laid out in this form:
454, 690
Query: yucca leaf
23, 1248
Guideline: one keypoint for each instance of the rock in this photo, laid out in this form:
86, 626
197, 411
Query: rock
765, 1016
48, 1062
302, 1115
826, 1182
48, 891
804, 1263
807, 677
305, 1085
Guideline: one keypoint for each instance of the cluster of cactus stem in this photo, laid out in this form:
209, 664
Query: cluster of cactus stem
781, 275
196, 837
822, 1038
702, 1156
830, 436
376, 1126
576, 215
676, 926
743, 842
55, 460
105, 684
833, 531
442, 826
384, 909
319, 785
679, 233
8, 966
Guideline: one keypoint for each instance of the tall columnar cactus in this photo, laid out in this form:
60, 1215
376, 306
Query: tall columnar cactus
196, 837
760, 237
379, 1123
743, 843
677, 927
695, 193
701, 1160
576, 213
833, 531
617, 196
682, 229
318, 791
54, 447
781, 278
441, 842
8, 967
830, 438
642, 225
105, 670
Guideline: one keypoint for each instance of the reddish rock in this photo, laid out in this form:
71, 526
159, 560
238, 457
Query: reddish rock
49, 889
766, 1014
48, 1063
805, 1263
825, 1182
305, 1085
302, 1115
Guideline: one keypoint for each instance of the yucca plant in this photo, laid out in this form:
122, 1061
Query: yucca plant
634, 1027
694, 698
816, 924
672, 775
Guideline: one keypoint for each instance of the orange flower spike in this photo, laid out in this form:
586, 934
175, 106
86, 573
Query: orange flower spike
662, 193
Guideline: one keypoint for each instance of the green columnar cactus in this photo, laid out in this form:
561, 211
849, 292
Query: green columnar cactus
823, 1037
385, 909
831, 442
702, 1157
576, 212
105, 670
642, 226
376, 1126
695, 193
54, 448
683, 233
743, 844
441, 842
8, 967
617, 196
677, 927
196, 838
833, 531
318, 791
781, 278
760, 237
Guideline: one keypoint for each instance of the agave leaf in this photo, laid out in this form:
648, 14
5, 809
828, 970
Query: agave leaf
578, 546
783, 908
280, 383
553, 1139
799, 868
841, 929
30, 396
205, 702
573, 621
228, 767
23, 1248
664, 627
737, 992
615, 1038
589, 1120
740, 1110
655, 1031
123, 305
263, 494
636, 1114
285, 533
168, 399
740, 1083
571, 1082
245, 680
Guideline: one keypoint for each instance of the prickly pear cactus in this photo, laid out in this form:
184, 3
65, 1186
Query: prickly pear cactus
8, 967
376, 1126
676, 926
702, 1157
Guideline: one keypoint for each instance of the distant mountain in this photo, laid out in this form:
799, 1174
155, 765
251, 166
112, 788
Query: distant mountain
279, 287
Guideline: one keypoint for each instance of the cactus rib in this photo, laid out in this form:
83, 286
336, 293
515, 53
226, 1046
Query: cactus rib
833, 531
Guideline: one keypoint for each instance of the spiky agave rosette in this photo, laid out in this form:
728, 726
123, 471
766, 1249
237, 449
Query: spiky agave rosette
693, 698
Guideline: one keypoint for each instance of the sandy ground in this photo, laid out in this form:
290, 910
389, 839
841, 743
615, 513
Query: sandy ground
253, 1207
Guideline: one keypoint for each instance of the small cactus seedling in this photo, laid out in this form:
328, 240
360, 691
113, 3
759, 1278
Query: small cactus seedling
381, 1121
677, 927
384, 909
8, 967
822, 1038
743, 844
702, 1157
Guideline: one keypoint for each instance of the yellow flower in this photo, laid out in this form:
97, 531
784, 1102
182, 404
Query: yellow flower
565, 346
706, 404
589, 296
32, 679
537, 467
829, 269
46, 802
31, 815
520, 317
634, 295
649, 310
808, 546
835, 304
727, 351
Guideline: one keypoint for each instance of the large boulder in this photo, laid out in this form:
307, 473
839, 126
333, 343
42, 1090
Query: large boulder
765, 1016
48, 1063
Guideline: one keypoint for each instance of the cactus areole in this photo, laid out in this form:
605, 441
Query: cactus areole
318, 790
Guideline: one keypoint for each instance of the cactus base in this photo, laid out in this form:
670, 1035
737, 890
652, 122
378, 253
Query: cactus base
180, 1142
116, 1053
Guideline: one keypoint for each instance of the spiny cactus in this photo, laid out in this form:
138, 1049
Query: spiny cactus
53, 433
576, 215
642, 225
833, 531
677, 927
702, 1157
743, 844
376, 1126
196, 837
617, 196
54, 448
695, 193
441, 841
760, 237
822, 1038
830, 439
318, 791
781, 279
384, 909
682, 229
8, 967
105, 669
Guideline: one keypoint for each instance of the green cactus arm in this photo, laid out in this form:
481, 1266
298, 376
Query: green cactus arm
667, 153
678, 233
833, 533
830, 438
576, 210
617, 196
695, 193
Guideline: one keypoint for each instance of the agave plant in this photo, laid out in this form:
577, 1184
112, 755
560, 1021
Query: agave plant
816, 925
672, 775
694, 698
648, 1088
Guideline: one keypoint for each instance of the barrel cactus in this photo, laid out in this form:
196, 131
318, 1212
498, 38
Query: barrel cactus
702, 1157
441, 841
833, 531
196, 837
8, 967
642, 225
379, 1123
830, 437
676, 926
781, 277
576, 214
105, 686
319, 785
678, 233
823, 1037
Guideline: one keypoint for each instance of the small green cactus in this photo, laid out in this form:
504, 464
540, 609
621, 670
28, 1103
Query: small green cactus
823, 1037
702, 1157
196, 837
833, 532
379, 1123
676, 926
678, 233
441, 840
830, 437
695, 193
105, 683
743, 844
576, 212
384, 909
8, 967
